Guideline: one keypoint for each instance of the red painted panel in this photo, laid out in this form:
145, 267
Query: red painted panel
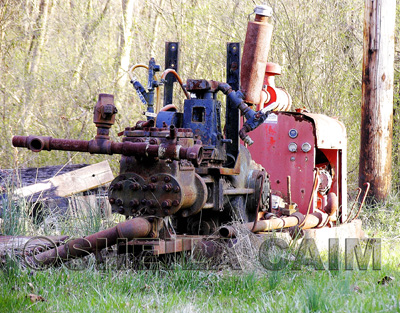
270, 149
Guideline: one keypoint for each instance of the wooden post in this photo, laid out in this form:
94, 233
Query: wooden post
377, 97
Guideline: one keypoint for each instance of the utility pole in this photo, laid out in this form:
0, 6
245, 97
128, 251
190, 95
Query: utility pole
377, 97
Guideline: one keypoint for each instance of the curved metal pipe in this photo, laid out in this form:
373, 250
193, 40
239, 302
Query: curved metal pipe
315, 185
170, 70
359, 190
362, 201
136, 228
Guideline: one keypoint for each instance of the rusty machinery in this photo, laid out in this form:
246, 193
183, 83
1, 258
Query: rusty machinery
182, 173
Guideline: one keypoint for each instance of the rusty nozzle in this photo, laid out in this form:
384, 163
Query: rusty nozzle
34, 143
104, 115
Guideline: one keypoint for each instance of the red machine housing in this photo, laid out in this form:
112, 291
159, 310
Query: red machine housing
326, 142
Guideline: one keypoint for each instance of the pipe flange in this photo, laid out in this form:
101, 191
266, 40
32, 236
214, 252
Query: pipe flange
300, 217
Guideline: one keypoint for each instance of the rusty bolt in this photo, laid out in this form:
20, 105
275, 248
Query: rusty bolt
121, 210
145, 187
118, 186
152, 187
175, 203
119, 202
153, 179
133, 203
167, 187
166, 204
111, 200
144, 201
167, 179
177, 189
134, 186
151, 203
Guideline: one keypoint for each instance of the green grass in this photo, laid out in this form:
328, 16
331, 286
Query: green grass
180, 290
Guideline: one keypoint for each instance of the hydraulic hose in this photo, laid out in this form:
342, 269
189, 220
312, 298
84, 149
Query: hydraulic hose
170, 70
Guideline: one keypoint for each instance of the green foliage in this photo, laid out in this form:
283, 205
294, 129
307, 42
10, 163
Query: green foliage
383, 219
317, 43
396, 108
14, 214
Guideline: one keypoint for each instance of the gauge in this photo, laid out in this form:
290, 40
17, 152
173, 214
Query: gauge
292, 147
293, 133
305, 147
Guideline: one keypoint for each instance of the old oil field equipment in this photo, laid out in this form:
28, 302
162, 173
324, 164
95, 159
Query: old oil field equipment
183, 175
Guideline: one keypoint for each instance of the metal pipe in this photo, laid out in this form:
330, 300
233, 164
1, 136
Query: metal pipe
102, 146
330, 208
359, 190
255, 54
254, 119
262, 225
289, 190
238, 191
332, 204
136, 228
315, 185
362, 201
311, 221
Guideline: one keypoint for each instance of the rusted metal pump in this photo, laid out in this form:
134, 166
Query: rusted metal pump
178, 168
181, 173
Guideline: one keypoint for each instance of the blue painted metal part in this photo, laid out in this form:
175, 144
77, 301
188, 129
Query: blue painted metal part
232, 115
255, 119
168, 118
203, 117
140, 91
151, 84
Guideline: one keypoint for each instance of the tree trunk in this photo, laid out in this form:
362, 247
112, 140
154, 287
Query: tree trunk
156, 29
377, 97
123, 58
38, 37
87, 42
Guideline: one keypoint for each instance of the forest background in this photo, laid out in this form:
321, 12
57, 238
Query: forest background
57, 56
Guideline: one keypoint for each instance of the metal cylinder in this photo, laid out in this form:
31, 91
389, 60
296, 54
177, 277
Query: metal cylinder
310, 221
313, 220
80, 247
261, 226
102, 146
255, 55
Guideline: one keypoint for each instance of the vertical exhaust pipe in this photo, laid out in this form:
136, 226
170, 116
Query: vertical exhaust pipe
255, 54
